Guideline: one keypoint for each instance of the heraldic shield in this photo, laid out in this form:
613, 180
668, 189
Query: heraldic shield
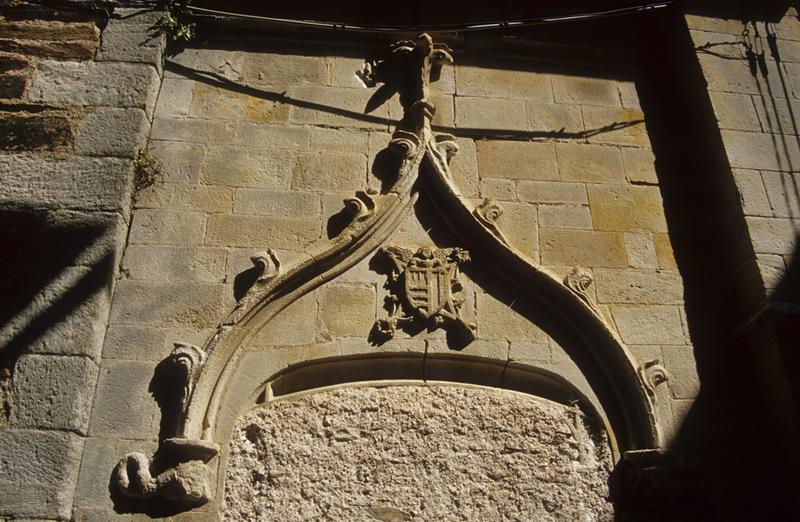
424, 285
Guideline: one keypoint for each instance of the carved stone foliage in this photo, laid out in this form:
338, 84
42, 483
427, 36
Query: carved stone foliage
653, 374
425, 292
579, 281
488, 213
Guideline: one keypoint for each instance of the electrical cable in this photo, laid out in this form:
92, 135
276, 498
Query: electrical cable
482, 26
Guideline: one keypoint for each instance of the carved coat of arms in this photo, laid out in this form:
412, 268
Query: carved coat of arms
425, 289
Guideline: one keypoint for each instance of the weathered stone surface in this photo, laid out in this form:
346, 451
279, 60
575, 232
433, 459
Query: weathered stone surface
49, 30
519, 224
274, 136
123, 405
728, 75
155, 226
261, 231
330, 172
71, 50
583, 90
53, 392
498, 189
135, 342
616, 126
174, 98
295, 325
112, 132
347, 310
241, 167
552, 192
270, 69
46, 130
783, 190
680, 363
748, 150
715, 25
735, 112
39, 473
335, 106
628, 95
649, 324
517, 160
194, 131
639, 166
752, 194
132, 38
224, 63
276, 204
13, 85
180, 162
773, 235
772, 269
664, 253
464, 168
199, 304
638, 287
641, 250
171, 263
626, 208
503, 83
496, 320
778, 115
343, 140
32, 181
589, 163
527, 352
196, 198
355, 453
563, 216
96, 83
490, 113
582, 247
554, 118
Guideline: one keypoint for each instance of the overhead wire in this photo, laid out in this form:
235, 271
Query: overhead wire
476, 26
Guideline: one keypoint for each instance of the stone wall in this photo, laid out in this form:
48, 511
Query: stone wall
260, 140
260, 148
77, 95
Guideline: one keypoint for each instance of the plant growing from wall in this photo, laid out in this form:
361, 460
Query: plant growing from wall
176, 23
146, 171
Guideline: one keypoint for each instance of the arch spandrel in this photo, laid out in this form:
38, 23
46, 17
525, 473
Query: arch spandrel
218, 369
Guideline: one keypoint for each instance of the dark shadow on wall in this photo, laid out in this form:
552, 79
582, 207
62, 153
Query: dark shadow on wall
219, 81
37, 246
742, 428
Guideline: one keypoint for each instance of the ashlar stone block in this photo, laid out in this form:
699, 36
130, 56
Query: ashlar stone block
584, 90
552, 192
638, 287
173, 263
261, 232
783, 191
565, 216
158, 303
123, 406
503, 83
38, 473
347, 310
330, 172
649, 324
680, 363
616, 126
156, 226
773, 235
641, 250
490, 114
560, 247
240, 167
752, 194
497, 320
517, 160
627, 208
53, 392
589, 163
96, 83
549, 117
112, 132
640, 166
